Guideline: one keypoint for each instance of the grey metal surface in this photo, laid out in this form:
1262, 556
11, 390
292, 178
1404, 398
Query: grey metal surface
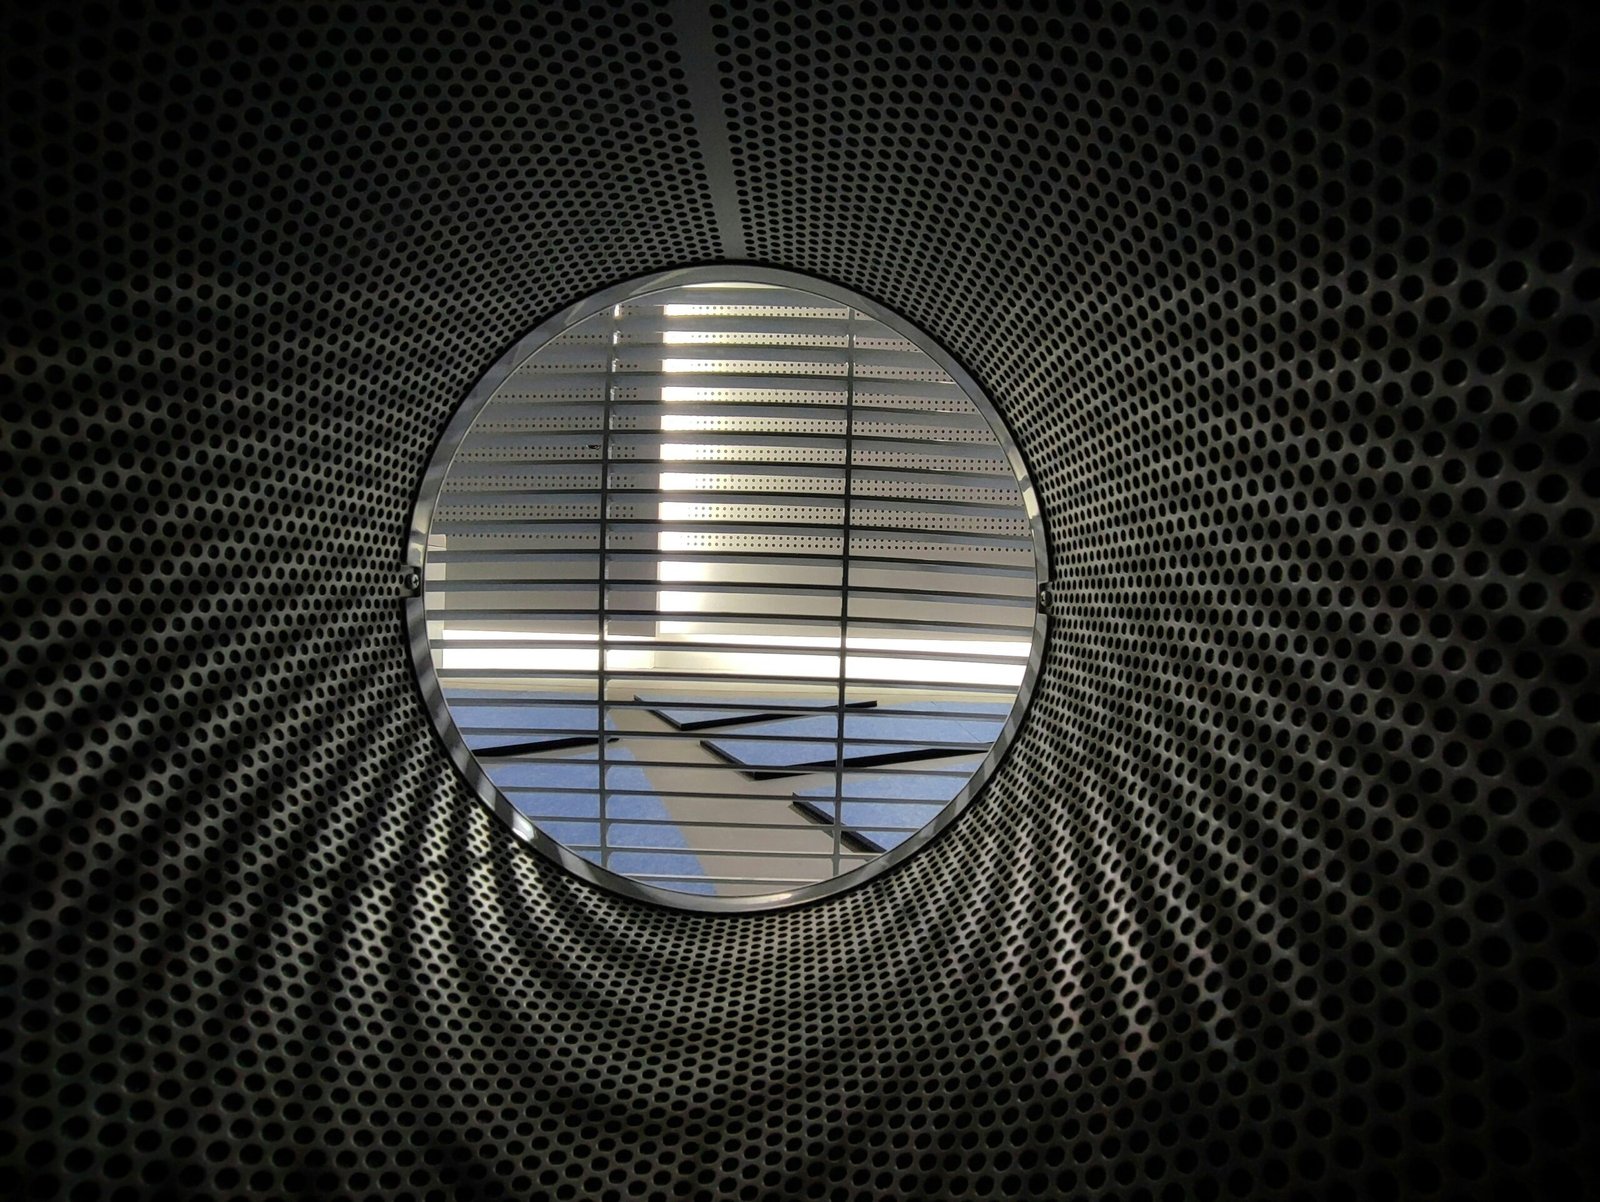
1287, 889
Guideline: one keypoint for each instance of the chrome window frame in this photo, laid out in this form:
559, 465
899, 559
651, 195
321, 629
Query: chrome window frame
415, 607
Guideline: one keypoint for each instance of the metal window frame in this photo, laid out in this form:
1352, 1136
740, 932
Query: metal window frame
414, 610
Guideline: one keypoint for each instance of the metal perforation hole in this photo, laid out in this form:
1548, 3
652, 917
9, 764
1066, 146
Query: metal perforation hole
637, 579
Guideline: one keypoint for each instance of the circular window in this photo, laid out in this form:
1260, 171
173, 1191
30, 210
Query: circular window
728, 588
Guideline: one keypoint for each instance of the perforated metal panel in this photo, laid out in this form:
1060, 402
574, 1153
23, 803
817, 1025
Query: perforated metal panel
1289, 888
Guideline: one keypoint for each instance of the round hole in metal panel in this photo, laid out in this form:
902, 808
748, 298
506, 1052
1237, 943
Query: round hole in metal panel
729, 588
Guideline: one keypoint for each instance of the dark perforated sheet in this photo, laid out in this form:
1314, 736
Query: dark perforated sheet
1288, 889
